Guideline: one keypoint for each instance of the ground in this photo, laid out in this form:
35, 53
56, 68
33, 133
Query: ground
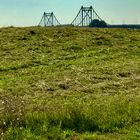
69, 83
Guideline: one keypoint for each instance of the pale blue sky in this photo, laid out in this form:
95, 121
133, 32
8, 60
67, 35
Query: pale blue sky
29, 12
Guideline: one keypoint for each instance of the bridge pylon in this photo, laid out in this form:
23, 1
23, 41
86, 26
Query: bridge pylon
85, 16
49, 19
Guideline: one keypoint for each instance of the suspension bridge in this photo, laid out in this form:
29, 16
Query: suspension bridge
84, 18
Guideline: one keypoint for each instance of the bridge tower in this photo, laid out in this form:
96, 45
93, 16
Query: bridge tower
85, 16
49, 19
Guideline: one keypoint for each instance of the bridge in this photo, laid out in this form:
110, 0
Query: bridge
84, 17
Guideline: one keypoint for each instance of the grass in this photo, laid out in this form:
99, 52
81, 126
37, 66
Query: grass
69, 83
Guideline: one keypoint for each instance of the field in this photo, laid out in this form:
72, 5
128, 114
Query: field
69, 83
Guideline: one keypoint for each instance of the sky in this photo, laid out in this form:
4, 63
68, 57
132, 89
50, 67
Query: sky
29, 12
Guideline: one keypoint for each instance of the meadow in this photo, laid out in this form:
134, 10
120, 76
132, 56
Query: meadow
67, 83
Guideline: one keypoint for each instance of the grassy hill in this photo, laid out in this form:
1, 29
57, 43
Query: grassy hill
69, 83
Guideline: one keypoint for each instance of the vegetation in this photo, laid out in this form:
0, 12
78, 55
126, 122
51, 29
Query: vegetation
69, 83
98, 23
